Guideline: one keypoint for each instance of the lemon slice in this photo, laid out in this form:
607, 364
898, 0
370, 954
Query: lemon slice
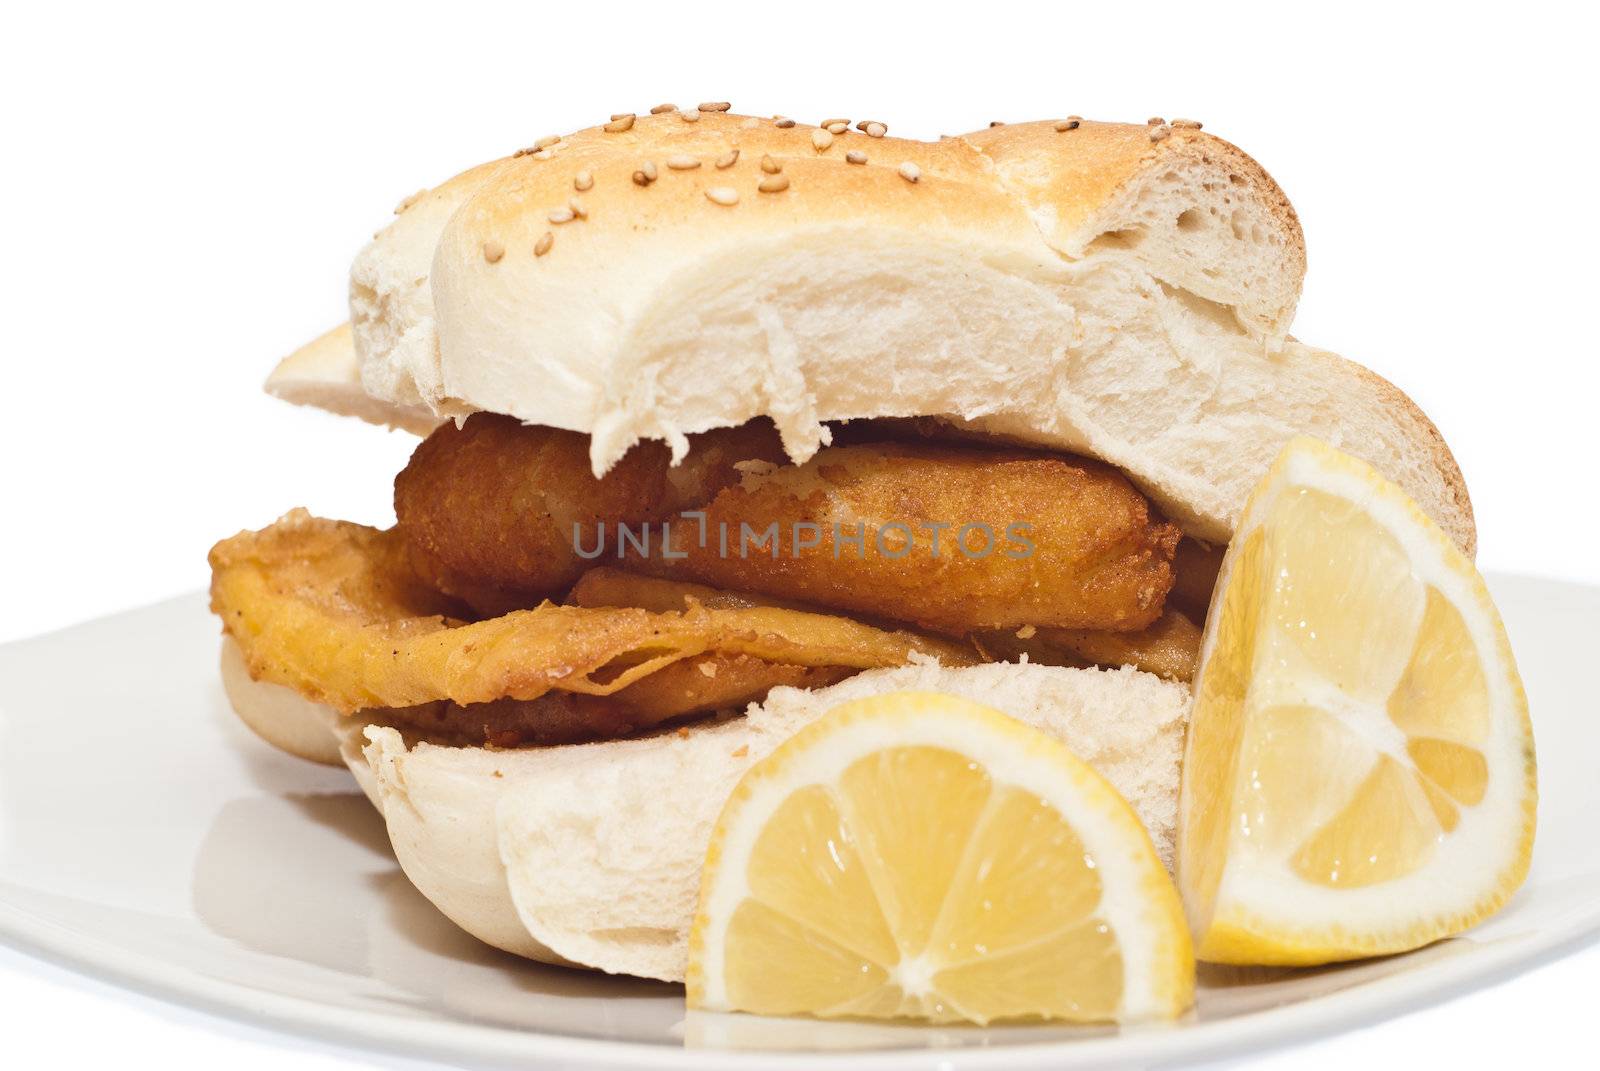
1359, 772
919, 855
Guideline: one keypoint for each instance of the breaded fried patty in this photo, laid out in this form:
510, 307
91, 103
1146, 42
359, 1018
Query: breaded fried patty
488, 509
947, 538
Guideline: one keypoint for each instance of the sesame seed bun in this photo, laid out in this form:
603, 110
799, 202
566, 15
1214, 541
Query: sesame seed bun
1119, 291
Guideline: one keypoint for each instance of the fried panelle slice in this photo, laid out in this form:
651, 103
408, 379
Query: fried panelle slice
332, 610
699, 685
607, 586
1169, 648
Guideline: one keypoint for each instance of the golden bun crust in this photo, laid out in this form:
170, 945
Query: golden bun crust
1078, 197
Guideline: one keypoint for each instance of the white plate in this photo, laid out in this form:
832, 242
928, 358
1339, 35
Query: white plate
146, 837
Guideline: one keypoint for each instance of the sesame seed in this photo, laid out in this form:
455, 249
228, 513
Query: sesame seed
493, 251
910, 171
727, 159
553, 139
659, 108
520, 153
1159, 133
830, 122
618, 124
1186, 124
542, 246
1155, 120
1026, 632
583, 180
876, 130
770, 166
689, 117
579, 209
774, 184
648, 170
621, 115
821, 139
783, 124
996, 122
715, 106
855, 156
1067, 124
409, 201
682, 163
836, 126
541, 154
561, 215
723, 195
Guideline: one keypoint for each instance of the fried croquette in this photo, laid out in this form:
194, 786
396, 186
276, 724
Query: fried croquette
488, 510
947, 538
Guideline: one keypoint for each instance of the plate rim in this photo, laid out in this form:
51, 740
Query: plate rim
472, 1043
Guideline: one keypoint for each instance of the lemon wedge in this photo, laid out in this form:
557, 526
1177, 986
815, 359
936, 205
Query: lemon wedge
921, 856
1359, 771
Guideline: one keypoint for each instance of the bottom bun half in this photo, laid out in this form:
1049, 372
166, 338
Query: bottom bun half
590, 854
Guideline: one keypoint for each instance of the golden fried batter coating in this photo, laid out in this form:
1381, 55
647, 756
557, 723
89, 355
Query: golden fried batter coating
488, 509
949, 538
333, 610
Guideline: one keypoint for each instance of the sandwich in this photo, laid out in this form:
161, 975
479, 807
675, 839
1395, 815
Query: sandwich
725, 420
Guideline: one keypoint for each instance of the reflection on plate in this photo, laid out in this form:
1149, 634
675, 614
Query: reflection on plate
160, 845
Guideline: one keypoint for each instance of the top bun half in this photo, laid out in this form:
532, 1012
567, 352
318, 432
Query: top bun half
1119, 291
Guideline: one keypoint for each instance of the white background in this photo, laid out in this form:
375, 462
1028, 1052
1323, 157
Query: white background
184, 187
